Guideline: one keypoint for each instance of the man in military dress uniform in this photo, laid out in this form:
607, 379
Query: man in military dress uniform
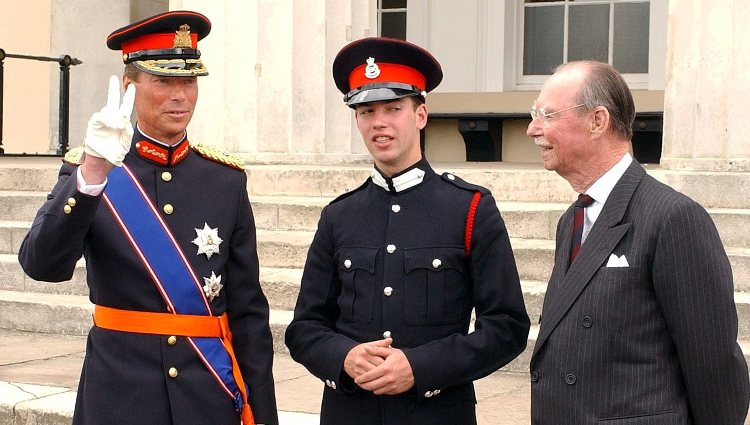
181, 332
397, 265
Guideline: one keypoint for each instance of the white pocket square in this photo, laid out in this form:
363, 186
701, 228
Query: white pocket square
615, 261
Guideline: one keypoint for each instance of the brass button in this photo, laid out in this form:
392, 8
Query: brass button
436, 263
168, 209
428, 394
173, 372
396, 208
391, 248
387, 334
67, 209
172, 340
166, 176
387, 291
72, 202
347, 263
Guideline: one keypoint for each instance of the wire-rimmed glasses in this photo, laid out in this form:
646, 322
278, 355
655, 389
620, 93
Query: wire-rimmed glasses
545, 116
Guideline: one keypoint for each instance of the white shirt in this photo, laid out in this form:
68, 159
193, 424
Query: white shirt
600, 191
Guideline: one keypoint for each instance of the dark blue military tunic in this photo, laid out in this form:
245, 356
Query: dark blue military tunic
388, 259
130, 378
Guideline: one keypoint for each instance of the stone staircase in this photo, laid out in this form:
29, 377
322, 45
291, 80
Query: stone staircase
287, 200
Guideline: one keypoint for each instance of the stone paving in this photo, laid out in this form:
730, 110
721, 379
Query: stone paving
39, 375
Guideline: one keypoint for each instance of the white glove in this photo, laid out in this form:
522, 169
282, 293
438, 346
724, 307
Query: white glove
109, 131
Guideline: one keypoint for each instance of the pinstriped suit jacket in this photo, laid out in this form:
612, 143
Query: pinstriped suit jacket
652, 343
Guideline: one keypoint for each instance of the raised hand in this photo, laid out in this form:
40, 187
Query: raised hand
109, 131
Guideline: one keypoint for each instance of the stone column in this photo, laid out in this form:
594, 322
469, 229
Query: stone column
269, 95
707, 86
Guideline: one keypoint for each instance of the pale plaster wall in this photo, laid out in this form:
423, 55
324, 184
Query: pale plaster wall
26, 104
80, 29
270, 95
707, 86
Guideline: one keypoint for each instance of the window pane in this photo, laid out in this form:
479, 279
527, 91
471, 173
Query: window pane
588, 32
542, 39
630, 50
393, 25
393, 4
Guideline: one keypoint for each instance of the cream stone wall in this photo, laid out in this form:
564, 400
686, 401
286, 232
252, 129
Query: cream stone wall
26, 88
270, 95
80, 29
708, 86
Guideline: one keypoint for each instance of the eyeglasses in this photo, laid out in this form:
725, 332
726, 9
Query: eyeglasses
545, 116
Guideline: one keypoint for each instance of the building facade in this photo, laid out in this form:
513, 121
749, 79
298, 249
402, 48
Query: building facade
270, 96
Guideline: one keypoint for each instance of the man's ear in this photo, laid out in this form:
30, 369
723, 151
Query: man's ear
600, 121
126, 81
421, 116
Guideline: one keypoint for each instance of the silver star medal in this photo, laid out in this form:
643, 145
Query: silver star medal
212, 287
208, 240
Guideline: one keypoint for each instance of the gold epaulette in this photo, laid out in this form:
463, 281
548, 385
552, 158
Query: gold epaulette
74, 156
216, 155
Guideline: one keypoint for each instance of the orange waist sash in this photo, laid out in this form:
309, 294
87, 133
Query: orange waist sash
146, 322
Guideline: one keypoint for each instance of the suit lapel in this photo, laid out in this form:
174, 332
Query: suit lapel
564, 288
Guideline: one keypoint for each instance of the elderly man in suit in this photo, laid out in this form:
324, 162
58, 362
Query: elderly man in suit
639, 324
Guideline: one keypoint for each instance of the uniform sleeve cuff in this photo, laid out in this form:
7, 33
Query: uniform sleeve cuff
88, 189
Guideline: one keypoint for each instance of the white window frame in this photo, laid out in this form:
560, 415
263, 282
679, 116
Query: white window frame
379, 9
653, 80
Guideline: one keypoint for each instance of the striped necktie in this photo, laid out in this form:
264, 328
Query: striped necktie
582, 202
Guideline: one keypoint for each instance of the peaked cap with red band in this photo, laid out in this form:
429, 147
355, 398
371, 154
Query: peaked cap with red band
379, 68
164, 44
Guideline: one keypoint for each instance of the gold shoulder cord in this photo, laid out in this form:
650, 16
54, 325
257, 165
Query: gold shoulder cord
216, 155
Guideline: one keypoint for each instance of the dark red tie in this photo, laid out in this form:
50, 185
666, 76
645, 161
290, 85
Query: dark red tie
582, 202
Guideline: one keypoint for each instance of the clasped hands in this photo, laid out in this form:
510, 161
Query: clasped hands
376, 366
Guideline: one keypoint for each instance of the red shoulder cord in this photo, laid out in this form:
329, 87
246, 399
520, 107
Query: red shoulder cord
470, 222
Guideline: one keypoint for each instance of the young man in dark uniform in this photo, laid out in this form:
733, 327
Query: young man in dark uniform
181, 331
397, 265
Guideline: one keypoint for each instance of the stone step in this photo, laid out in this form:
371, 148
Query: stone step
280, 285
36, 174
508, 181
39, 375
534, 257
527, 220
283, 255
288, 249
20, 205
71, 315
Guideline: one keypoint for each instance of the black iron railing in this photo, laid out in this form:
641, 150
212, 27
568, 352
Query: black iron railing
65, 62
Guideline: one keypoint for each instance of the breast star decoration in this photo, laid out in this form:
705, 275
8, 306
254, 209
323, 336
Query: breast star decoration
212, 287
208, 241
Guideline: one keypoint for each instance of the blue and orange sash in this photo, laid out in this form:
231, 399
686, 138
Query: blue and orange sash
175, 279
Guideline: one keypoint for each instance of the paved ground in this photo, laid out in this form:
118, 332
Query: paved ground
39, 374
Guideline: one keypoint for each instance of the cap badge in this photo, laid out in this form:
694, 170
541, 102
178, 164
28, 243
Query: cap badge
182, 37
372, 70
212, 287
208, 240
